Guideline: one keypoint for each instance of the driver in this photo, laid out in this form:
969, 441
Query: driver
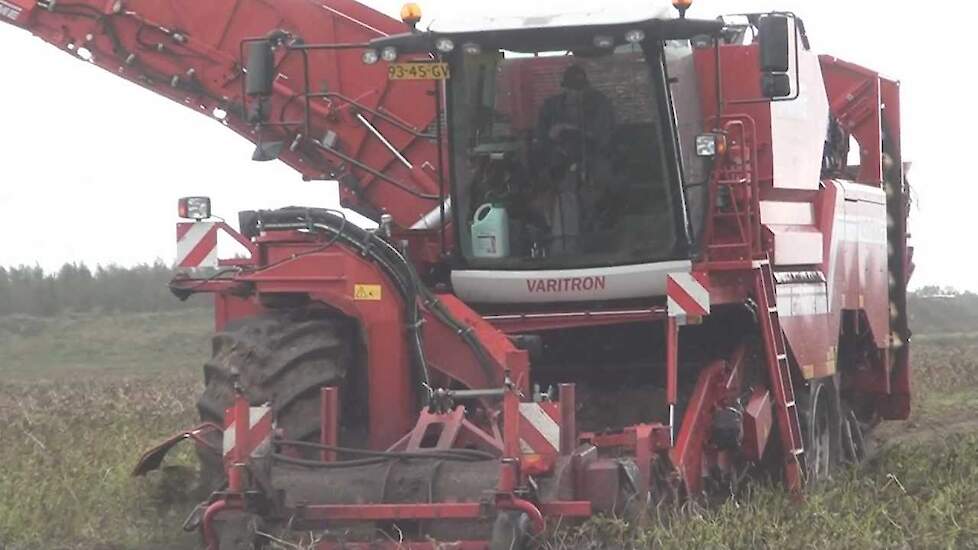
574, 131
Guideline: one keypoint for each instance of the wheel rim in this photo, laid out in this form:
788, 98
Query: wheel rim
510, 531
821, 452
853, 438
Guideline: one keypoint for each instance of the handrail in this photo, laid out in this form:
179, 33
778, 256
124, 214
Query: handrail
736, 173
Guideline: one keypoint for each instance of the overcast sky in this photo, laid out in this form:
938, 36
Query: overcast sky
92, 165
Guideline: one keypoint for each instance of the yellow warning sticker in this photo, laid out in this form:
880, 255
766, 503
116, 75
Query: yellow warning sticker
368, 293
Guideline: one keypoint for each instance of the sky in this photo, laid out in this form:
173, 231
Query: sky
91, 166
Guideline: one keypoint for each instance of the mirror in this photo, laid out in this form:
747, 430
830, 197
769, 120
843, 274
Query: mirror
774, 37
260, 69
776, 85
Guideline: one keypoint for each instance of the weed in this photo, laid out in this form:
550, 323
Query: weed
125, 383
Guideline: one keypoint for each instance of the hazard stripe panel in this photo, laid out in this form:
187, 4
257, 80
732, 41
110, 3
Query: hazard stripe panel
687, 295
259, 432
196, 245
539, 429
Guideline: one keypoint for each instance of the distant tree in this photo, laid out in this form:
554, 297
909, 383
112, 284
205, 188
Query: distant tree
76, 288
928, 291
5, 297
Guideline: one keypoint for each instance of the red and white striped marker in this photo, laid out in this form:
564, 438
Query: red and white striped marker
687, 295
259, 432
196, 245
540, 428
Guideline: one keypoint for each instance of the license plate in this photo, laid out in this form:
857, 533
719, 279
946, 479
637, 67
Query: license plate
419, 71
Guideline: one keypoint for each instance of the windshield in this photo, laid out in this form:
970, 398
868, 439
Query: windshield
560, 160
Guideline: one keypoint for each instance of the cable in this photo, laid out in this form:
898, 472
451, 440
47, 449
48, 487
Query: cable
328, 465
401, 272
367, 461
327, 246
462, 455
179, 291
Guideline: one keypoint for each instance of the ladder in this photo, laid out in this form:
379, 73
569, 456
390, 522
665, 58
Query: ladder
779, 372
734, 208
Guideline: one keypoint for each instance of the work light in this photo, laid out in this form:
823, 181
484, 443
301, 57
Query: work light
371, 57
444, 45
635, 36
389, 54
604, 42
194, 208
710, 145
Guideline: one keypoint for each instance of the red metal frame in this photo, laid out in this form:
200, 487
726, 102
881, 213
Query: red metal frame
191, 54
733, 224
329, 430
715, 384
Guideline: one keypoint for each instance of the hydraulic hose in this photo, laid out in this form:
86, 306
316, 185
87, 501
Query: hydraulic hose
462, 455
400, 270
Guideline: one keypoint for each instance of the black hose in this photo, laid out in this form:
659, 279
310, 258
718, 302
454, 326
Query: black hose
398, 268
461, 455
370, 246
328, 465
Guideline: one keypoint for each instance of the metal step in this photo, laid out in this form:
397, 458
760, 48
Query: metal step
779, 372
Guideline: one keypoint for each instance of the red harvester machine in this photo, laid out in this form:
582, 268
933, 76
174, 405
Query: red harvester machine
618, 259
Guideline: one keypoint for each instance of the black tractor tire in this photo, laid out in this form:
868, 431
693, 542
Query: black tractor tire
821, 425
283, 359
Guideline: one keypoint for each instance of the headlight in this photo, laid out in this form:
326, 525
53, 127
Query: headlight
472, 48
604, 42
711, 145
194, 208
445, 45
635, 36
389, 54
371, 57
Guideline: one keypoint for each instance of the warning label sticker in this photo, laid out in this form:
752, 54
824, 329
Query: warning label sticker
9, 11
368, 293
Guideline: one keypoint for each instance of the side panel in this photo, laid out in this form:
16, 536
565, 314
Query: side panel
798, 130
853, 277
580, 285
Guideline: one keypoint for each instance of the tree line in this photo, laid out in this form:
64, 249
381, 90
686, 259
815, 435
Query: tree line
941, 310
75, 288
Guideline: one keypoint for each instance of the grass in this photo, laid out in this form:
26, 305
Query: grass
109, 345
81, 398
67, 452
913, 496
921, 491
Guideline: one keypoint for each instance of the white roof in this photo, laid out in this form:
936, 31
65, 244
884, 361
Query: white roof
596, 15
